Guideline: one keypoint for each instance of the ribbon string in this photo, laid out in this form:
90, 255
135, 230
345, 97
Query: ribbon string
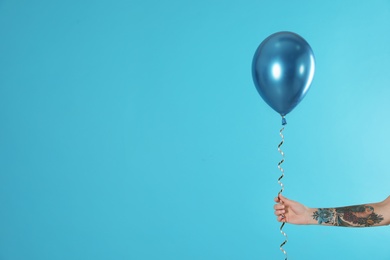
281, 189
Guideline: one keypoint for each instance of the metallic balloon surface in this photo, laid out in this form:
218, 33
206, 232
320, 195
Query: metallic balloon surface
282, 70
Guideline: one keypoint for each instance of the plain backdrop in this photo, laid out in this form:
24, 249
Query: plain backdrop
132, 129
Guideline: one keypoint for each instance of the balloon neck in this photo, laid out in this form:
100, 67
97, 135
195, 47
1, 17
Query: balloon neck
284, 121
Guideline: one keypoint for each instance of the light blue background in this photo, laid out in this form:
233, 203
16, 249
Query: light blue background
133, 130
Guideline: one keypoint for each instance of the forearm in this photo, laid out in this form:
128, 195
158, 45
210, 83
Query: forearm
365, 215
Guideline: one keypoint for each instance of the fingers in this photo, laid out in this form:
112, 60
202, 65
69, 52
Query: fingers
279, 206
281, 219
280, 210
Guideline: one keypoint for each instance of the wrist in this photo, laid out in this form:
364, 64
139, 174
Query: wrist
309, 216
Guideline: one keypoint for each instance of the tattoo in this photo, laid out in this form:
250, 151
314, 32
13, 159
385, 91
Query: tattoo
324, 216
352, 216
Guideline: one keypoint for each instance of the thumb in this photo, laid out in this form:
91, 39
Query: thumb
283, 199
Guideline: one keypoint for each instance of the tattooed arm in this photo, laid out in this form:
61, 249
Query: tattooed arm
365, 215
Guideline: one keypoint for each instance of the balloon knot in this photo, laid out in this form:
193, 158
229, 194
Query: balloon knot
284, 121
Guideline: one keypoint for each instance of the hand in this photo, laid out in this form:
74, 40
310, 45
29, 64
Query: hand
291, 211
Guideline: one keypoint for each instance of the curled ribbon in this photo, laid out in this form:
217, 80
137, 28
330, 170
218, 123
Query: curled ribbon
282, 188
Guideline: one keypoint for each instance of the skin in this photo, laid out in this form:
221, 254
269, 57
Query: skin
364, 215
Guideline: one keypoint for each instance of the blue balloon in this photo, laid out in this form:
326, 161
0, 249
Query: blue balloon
282, 70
